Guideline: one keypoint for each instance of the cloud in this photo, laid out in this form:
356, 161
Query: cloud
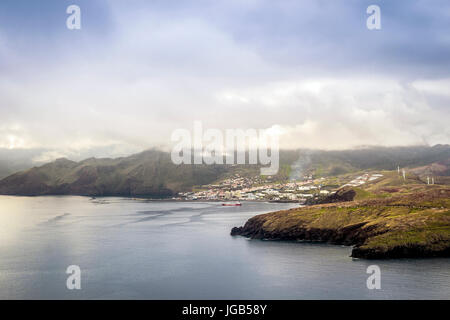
344, 112
438, 87
309, 69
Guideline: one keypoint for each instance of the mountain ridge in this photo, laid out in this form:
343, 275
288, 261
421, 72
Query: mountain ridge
152, 173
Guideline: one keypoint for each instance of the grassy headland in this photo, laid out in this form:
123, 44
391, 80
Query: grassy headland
389, 218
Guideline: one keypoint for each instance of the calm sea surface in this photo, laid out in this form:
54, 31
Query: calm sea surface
132, 249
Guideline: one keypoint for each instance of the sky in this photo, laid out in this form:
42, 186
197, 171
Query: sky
311, 71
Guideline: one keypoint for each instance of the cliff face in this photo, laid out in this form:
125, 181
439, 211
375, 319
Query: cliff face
412, 225
342, 195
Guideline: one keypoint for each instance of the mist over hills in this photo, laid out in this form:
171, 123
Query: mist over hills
330, 163
12, 160
152, 173
148, 173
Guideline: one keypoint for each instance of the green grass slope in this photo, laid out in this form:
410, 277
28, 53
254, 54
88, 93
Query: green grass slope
384, 221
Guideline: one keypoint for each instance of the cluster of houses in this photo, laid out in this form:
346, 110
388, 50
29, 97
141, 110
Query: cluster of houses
239, 188
243, 188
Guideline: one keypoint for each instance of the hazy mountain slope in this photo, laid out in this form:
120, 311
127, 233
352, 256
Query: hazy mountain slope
326, 163
13, 160
146, 173
152, 172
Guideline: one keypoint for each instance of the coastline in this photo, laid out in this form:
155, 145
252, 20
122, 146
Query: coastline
407, 226
152, 199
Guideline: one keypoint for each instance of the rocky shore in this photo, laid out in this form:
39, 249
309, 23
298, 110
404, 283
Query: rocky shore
409, 225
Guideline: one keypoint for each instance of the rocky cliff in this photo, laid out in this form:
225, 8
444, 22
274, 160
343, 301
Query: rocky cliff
415, 223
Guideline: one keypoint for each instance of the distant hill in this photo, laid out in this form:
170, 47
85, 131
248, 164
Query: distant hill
148, 173
332, 163
13, 160
152, 173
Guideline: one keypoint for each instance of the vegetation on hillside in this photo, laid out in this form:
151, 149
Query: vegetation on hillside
152, 173
387, 219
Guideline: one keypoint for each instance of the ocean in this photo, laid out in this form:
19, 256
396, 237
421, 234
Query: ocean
141, 249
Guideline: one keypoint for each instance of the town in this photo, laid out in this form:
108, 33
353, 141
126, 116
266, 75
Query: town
238, 188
